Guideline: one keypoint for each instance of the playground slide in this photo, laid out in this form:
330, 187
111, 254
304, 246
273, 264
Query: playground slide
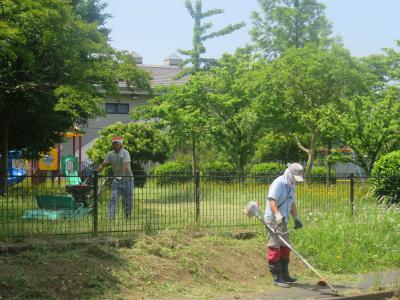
16, 176
73, 177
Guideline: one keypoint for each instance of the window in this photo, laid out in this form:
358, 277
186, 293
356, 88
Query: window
117, 108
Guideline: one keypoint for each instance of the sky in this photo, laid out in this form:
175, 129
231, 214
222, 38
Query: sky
156, 28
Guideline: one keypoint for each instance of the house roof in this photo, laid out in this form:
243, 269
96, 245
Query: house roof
163, 75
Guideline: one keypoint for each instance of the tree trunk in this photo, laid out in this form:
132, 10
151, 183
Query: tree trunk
329, 171
328, 167
311, 153
4, 158
194, 164
241, 171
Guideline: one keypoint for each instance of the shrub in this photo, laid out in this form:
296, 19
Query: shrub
219, 171
139, 174
318, 174
385, 178
266, 172
173, 172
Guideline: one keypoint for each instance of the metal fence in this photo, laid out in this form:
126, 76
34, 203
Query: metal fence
42, 206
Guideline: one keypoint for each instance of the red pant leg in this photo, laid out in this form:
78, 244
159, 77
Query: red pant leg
274, 254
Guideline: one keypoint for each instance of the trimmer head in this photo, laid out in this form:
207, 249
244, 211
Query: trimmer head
332, 291
251, 209
321, 283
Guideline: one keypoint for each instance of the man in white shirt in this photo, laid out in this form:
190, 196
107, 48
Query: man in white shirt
122, 182
280, 205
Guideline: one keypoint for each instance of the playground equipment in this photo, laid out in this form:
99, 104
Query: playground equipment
61, 165
76, 132
78, 202
15, 175
70, 167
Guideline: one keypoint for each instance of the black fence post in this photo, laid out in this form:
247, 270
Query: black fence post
197, 194
95, 202
352, 193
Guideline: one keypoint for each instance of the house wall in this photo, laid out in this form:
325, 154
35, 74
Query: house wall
345, 169
91, 132
161, 76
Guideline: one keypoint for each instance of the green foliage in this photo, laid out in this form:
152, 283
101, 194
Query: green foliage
296, 91
234, 114
143, 141
219, 171
386, 178
325, 239
178, 112
214, 108
277, 147
200, 35
54, 59
266, 172
318, 171
173, 172
283, 24
368, 125
318, 174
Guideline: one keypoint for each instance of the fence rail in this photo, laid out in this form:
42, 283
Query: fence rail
41, 206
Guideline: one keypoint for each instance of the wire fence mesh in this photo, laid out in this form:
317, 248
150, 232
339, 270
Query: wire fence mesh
56, 205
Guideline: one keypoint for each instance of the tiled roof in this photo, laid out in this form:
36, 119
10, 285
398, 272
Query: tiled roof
163, 75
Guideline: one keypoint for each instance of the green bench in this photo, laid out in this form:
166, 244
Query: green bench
54, 207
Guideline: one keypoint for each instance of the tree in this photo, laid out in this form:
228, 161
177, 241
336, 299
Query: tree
200, 35
216, 107
54, 58
283, 24
230, 109
369, 125
143, 141
199, 63
274, 147
391, 64
297, 88
177, 111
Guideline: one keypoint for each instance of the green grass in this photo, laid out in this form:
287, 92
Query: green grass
185, 263
168, 206
341, 243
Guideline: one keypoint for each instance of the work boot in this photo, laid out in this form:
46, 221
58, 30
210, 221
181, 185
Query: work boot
285, 270
276, 271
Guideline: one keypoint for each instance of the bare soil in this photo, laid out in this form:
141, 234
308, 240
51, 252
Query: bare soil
170, 265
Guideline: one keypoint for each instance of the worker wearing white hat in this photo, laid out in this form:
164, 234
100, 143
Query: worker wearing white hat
280, 205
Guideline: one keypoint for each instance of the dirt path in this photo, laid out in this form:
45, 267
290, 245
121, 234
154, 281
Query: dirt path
303, 290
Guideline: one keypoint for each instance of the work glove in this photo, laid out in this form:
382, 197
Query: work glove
297, 222
278, 217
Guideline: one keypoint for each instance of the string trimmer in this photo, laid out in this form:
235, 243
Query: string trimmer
252, 210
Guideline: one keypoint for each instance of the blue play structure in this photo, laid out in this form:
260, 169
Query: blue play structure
15, 175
